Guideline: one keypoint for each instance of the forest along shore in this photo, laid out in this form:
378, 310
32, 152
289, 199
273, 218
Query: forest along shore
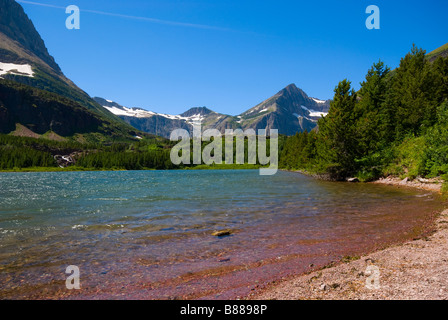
413, 270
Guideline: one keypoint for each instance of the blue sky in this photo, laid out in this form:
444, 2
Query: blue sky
229, 55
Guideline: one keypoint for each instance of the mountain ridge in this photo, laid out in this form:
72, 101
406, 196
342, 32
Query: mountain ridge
16, 25
290, 110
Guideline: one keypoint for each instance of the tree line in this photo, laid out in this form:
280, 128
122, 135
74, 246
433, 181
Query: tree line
148, 153
396, 124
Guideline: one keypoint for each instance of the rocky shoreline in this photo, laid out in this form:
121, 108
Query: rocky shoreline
413, 270
434, 184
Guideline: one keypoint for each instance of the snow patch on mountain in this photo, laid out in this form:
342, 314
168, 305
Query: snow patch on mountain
318, 101
313, 113
141, 113
16, 69
299, 116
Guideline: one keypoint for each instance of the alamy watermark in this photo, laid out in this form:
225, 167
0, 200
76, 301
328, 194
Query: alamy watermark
373, 20
73, 21
212, 153
73, 280
373, 276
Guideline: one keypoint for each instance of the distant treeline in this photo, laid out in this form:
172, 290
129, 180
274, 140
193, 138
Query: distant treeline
151, 159
23, 152
150, 153
396, 124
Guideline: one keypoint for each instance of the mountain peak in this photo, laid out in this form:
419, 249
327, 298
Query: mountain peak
291, 86
15, 24
197, 110
292, 89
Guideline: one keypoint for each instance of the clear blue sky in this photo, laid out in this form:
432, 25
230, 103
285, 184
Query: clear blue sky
229, 55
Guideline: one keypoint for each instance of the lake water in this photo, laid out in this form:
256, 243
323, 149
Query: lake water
148, 234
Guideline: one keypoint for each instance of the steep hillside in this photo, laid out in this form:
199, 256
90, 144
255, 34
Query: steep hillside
44, 112
24, 59
15, 24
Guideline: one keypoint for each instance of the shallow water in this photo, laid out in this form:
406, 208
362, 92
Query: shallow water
147, 234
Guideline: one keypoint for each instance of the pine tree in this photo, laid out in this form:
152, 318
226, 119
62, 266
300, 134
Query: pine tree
412, 94
337, 143
373, 124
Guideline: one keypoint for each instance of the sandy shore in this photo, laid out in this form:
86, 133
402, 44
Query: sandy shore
413, 270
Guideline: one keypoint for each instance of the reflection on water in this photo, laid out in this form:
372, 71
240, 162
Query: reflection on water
147, 234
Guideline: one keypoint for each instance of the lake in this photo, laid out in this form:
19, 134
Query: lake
148, 234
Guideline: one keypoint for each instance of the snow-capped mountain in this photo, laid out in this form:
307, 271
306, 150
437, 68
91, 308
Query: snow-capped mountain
289, 111
142, 113
159, 123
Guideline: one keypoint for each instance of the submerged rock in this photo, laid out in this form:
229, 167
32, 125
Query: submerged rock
222, 233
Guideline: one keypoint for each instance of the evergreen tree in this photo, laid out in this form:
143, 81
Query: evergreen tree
337, 143
373, 123
413, 95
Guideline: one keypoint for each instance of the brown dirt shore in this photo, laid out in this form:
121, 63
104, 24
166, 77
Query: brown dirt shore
413, 270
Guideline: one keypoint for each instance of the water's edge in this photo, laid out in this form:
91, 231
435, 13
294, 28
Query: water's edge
232, 266
430, 228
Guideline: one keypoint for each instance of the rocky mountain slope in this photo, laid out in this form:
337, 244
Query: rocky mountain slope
28, 73
289, 111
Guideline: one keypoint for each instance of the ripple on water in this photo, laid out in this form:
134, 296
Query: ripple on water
128, 228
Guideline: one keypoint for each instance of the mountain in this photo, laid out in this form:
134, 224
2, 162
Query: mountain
16, 25
158, 123
32, 83
36, 95
289, 111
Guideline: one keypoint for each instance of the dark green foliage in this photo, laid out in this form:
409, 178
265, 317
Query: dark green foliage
397, 123
149, 153
158, 159
413, 94
440, 69
337, 143
299, 151
436, 144
42, 111
23, 157
21, 152
373, 125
